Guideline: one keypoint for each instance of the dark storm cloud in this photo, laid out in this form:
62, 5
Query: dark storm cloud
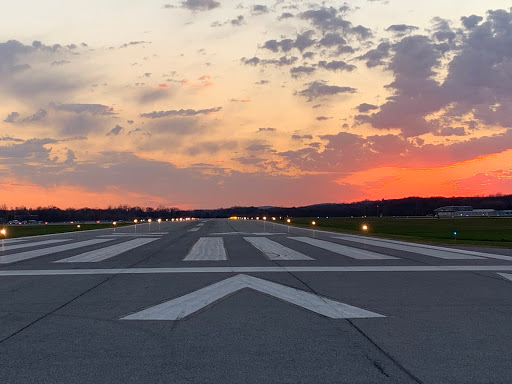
320, 89
181, 112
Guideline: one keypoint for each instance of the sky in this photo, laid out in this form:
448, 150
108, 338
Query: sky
217, 103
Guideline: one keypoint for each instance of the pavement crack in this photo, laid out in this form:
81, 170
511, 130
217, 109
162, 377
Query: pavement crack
388, 355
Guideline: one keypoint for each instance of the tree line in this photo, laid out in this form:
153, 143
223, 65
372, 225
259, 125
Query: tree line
410, 206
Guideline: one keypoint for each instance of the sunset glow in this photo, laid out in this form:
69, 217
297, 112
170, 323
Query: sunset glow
205, 103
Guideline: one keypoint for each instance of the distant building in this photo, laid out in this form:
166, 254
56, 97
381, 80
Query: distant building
467, 211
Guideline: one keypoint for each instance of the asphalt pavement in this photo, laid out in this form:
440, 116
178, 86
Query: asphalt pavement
245, 301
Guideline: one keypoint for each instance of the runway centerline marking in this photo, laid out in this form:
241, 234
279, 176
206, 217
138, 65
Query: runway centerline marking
276, 251
186, 305
207, 248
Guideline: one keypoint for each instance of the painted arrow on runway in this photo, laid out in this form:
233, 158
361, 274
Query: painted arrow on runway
507, 276
184, 306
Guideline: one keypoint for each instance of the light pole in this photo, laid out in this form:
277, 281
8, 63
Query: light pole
149, 221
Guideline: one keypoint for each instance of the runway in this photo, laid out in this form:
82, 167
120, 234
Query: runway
228, 301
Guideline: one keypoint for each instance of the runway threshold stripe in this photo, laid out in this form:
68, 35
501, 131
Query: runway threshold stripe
194, 229
274, 250
107, 252
48, 251
354, 253
208, 248
433, 251
32, 244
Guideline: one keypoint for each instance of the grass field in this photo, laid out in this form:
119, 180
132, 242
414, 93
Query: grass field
485, 231
34, 230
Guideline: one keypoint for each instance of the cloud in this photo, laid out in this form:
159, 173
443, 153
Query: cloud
322, 118
375, 57
269, 129
181, 112
365, 107
38, 116
471, 22
11, 117
302, 70
320, 89
259, 9
302, 137
211, 147
282, 61
134, 43
401, 29
93, 109
60, 62
33, 149
285, 15
257, 147
200, 5
115, 131
336, 65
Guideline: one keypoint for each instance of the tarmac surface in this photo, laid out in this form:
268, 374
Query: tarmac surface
235, 301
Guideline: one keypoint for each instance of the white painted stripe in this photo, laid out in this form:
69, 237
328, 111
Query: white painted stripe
372, 269
47, 251
439, 252
207, 248
507, 276
200, 225
184, 306
32, 244
194, 229
247, 233
11, 241
354, 253
130, 235
106, 253
275, 251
